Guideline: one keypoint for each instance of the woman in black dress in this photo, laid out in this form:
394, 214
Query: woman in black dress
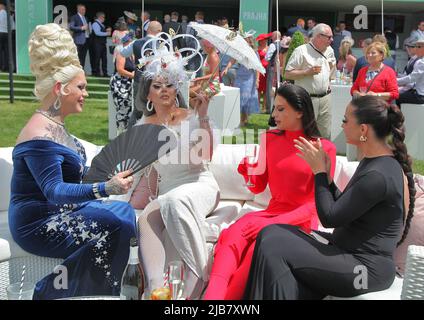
370, 217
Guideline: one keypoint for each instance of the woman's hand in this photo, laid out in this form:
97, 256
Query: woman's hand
201, 104
313, 154
120, 183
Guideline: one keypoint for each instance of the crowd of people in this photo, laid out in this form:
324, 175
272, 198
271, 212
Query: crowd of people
269, 254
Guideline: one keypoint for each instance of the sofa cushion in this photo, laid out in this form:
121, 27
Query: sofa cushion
226, 158
415, 235
6, 170
344, 171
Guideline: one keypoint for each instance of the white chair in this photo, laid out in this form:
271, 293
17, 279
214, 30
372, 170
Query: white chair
413, 283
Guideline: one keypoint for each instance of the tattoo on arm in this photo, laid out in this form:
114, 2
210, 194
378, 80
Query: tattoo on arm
112, 187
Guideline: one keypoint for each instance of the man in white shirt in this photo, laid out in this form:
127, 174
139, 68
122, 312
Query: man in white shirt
145, 18
417, 34
311, 66
415, 79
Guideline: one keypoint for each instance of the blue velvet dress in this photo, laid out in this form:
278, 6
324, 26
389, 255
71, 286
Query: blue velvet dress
52, 214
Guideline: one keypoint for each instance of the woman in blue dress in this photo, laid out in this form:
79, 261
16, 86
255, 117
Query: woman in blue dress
248, 82
51, 213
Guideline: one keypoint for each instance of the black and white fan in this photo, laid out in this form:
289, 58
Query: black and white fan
134, 149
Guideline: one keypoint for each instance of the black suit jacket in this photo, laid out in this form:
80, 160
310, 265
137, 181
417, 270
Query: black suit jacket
178, 30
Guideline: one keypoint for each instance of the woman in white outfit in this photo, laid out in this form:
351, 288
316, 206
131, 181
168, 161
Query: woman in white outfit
173, 227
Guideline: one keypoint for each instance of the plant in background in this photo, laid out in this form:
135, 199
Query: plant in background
297, 40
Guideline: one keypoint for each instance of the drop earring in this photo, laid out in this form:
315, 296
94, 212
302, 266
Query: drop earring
57, 104
149, 106
363, 138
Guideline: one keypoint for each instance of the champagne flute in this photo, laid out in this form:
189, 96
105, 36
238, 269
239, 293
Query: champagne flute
176, 279
250, 153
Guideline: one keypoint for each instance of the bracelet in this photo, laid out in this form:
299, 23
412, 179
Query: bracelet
204, 119
96, 191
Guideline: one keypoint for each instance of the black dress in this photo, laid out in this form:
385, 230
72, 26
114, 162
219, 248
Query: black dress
367, 219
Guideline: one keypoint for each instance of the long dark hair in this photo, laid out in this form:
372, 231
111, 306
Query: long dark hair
387, 122
299, 100
140, 101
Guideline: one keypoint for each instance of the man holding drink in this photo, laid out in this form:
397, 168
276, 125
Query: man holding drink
311, 66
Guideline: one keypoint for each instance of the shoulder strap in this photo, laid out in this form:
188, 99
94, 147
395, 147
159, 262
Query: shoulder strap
318, 51
372, 81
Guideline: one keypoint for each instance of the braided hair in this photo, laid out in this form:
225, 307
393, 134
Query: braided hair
387, 122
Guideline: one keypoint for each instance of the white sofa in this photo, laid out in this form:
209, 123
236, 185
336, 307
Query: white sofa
236, 200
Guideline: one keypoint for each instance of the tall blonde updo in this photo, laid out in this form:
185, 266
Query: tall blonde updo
53, 58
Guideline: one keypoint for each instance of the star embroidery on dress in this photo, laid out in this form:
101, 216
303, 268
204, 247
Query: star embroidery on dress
106, 266
66, 219
103, 238
115, 283
85, 235
99, 245
93, 225
80, 226
77, 242
52, 225
99, 260
79, 217
96, 236
105, 252
108, 274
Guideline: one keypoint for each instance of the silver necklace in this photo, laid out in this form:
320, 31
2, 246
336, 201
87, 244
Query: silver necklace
44, 113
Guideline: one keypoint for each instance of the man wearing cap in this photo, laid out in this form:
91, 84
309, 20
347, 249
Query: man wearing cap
414, 95
135, 49
80, 32
311, 66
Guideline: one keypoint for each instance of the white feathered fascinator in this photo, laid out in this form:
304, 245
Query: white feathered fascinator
159, 58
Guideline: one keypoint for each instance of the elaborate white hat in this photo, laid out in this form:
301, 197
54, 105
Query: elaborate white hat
161, 60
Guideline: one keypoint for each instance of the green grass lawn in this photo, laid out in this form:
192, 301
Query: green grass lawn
92, 125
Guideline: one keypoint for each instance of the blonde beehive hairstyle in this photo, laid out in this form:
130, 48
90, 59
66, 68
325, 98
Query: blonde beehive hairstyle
53, 58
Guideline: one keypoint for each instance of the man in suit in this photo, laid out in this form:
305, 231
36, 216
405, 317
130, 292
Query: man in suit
81, 32
98, 40
176, 26
195, 62
135, 49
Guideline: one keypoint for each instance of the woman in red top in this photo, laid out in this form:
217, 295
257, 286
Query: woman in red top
376, 79
291, 183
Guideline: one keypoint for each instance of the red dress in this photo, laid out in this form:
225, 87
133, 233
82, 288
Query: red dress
291, 183
262, 77
385, 81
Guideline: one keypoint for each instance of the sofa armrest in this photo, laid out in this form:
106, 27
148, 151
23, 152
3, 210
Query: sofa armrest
413, 283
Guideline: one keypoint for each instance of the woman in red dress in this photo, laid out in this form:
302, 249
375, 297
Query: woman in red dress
262, 49
376, 79
291, 183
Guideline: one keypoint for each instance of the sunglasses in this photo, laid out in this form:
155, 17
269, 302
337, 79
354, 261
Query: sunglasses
326, 36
